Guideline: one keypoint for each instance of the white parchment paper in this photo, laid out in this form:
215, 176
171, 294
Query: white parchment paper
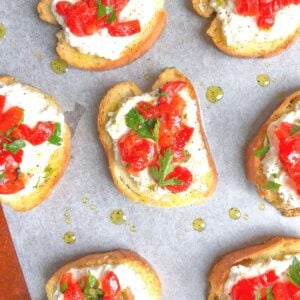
181, 256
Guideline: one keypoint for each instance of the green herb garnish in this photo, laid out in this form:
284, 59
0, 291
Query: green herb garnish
270, 295
261, 152
63, 287
2, 175
161, 94
295, 130
257, 295
145, 128
271, 185
294, 272
165, 168
101, 9
56, 139
91, 290
112, 16
15, 146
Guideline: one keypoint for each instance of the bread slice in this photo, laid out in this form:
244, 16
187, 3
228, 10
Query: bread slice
276, 248
94, 62
110, 103
57, 163
254, 167
246, 50
129, 258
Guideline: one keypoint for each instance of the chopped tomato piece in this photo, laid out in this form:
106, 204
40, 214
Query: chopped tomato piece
147, 109
183, 136
2, 104
12, 187
136, 152
11, 118
41, 133
182, 174
73, 292
66, 278
62, 7
124, 28
110, 284
285, 291
170, 89
245, 289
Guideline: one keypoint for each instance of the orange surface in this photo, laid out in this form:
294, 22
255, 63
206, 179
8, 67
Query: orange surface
12, 282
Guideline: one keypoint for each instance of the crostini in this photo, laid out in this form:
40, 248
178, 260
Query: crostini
246, 28
115, 275
104, 34
156, 146
34, 144
273, 157
265, 272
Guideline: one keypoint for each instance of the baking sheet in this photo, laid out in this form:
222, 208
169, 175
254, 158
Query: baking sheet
181, 256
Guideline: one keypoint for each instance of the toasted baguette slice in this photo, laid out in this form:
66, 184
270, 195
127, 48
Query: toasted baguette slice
126, 257
276, 248
57, 163
246, 50
110, 103
254, 166
94, 62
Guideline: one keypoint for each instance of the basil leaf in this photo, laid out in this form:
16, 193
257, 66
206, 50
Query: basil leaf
111, 17
271, 185
147, 129
56, 139
165, 163
101, 9
295, 130
156, 130
133, 119
91, 281
161, 94
172, 181
63, 287
2, 176
294, 272
270, 295
15, 146
154, 173
261, 152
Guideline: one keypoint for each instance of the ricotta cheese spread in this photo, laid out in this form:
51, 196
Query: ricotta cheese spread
36, 108
240, 272
242, 29
198, 164
102, 43
271, 164
128, 278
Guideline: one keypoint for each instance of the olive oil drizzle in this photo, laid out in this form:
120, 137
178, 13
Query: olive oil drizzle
214, 94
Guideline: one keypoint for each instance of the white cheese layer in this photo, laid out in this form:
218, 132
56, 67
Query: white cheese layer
198, 164
36, 108
242, 29
272, 166
240, 272
128, 278
101, 43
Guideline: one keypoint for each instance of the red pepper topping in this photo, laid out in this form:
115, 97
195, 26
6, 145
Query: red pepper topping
13, 135
85, 17
288, 136
158, 138
264, 10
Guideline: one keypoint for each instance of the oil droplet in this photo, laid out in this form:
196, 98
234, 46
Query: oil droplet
85, 199
234, 213
2, 31
69, 237
214, 94
263, 80
117, 217
132, 228
92, 206
59, 66
199, 224
246, 217
261, 206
